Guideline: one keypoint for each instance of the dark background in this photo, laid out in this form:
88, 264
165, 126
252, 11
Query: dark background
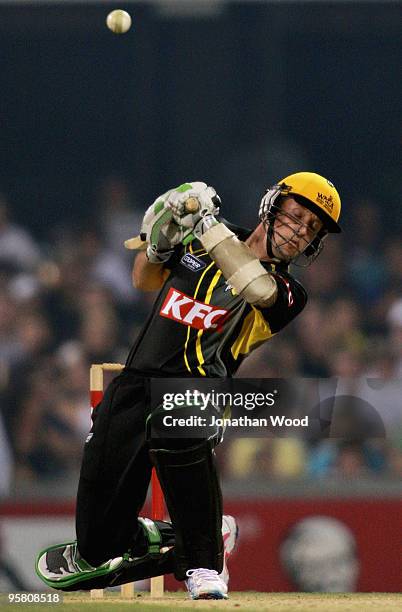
238, 98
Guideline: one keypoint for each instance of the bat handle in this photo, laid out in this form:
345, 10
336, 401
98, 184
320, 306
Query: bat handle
192, 204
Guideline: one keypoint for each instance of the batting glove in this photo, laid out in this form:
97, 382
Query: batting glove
160, 230
206, 196
167, 222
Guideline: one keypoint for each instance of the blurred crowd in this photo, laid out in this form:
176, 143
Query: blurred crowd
67, 300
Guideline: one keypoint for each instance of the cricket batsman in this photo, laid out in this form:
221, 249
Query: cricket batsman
223, 291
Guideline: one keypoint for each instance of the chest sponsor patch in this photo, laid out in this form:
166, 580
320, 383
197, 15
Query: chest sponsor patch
192, 262
186, 310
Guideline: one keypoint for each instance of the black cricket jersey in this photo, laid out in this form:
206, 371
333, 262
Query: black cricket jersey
199, 326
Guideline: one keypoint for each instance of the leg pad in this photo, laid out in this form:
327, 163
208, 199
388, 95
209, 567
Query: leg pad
193, 496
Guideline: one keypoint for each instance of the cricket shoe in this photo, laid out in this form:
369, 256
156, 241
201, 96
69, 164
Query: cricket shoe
205, 583
61, 566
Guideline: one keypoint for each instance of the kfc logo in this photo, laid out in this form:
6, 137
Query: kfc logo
184, 309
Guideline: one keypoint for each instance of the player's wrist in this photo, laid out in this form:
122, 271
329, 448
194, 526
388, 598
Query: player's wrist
204, 224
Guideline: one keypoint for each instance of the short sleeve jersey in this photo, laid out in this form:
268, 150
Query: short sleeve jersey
199, 325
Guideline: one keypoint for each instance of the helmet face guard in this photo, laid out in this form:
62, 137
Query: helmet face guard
271, 214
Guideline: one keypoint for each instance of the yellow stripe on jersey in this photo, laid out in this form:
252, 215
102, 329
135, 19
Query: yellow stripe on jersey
199, 252
189, 327
201, 331
254, 331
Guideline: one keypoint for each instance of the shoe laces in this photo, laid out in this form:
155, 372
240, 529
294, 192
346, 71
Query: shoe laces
202, 573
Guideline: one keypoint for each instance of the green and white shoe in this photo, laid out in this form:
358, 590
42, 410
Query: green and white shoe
62, 567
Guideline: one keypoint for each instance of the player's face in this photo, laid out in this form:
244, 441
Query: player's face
295, 227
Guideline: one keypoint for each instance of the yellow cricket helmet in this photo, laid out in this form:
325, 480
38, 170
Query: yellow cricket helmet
319, 192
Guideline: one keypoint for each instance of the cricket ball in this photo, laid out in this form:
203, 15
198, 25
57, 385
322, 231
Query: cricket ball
118, 21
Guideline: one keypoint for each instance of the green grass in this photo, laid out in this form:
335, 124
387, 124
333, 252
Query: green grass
248, 601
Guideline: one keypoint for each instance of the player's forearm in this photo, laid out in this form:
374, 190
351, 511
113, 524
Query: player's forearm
239, 265
148, 276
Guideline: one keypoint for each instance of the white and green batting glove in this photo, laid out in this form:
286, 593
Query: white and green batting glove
167, 222
160, 231
207, 198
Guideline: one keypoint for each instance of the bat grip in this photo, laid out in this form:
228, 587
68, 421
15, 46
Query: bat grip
191, 205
